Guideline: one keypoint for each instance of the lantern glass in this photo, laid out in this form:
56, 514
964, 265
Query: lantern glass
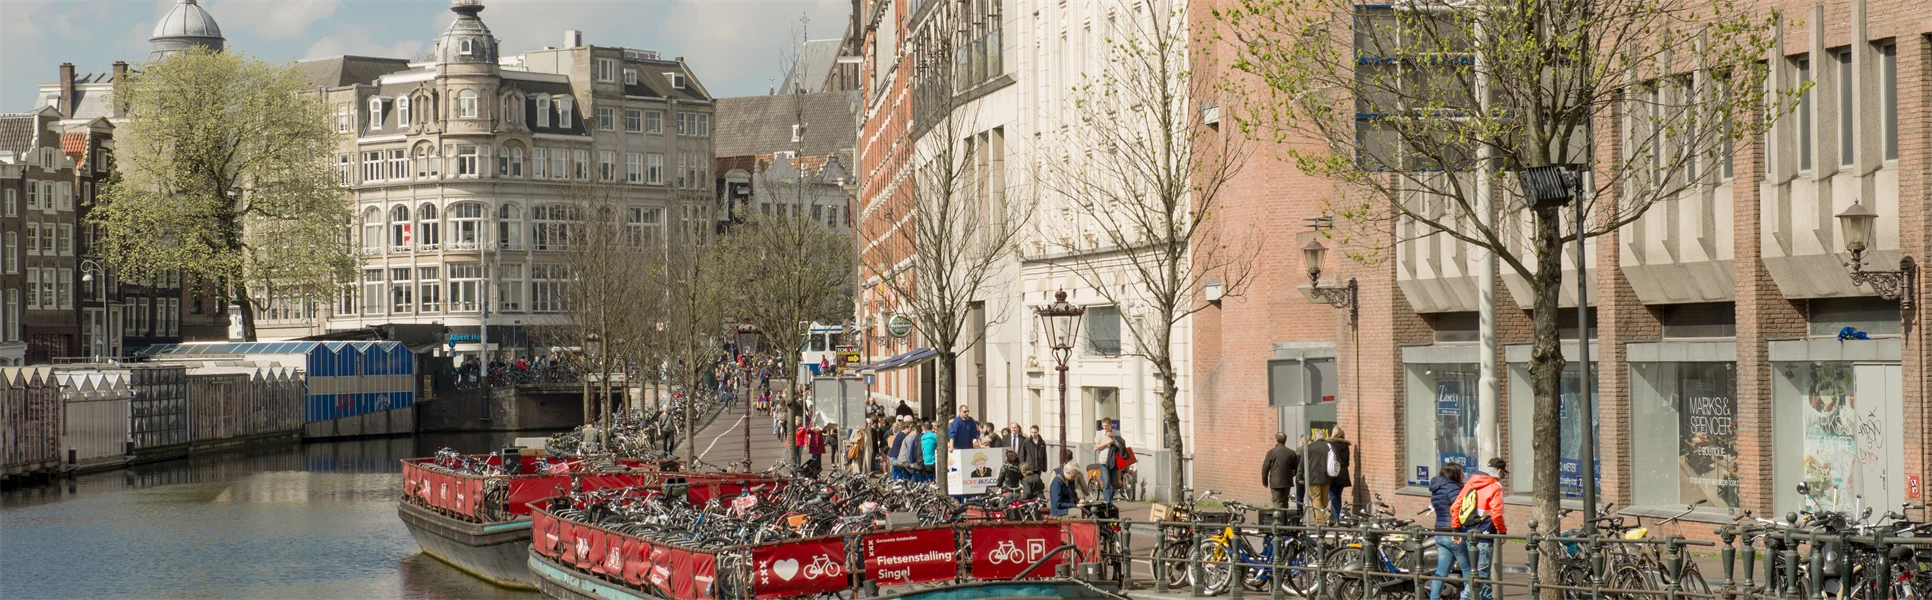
593, 344
1312, 255
1857, 224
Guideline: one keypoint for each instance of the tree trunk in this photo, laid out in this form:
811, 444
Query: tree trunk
1171, 424
944, 374
246, 306
1546, 377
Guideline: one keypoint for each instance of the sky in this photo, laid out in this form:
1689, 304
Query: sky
734, 46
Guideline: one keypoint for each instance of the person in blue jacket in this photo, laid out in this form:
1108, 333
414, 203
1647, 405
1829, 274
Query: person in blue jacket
1451, 551
1060, 493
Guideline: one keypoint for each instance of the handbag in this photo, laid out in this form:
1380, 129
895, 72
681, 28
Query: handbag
1124, 457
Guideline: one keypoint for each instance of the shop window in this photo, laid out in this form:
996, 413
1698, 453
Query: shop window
1442, 415
1522, 407
1695, 404
1839, 428
1103, 331
1457, 327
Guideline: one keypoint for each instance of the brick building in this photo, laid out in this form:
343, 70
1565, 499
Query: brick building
1719, 311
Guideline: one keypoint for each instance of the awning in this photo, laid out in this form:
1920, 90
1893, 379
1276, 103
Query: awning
900, 361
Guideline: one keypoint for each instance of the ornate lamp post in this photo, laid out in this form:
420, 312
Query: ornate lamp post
747, 339
1859, 226
1342, 297
1061, 321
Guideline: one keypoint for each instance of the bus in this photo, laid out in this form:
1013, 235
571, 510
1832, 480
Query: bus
823, 345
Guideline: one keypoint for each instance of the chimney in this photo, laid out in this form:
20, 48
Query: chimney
66, 90
573, 38
120, 74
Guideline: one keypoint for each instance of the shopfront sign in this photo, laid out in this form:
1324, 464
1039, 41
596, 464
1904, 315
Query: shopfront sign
911, 557
1003, 552
899, 325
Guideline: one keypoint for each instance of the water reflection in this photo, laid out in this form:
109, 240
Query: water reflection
298, 521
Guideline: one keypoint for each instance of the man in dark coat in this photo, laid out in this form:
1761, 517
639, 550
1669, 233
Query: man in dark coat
1338, 446
1033, 450
1315, 457
1278, 470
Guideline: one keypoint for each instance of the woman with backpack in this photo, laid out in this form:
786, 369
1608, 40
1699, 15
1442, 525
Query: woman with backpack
1451, 551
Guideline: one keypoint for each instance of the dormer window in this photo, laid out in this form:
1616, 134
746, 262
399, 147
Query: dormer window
677, 80
630, 76
466, 104
543, 111
402, 112
375, 113
798, 133
563, 113
464, 47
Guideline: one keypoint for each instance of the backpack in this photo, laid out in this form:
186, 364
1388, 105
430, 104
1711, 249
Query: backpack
1467, 509
1334, 466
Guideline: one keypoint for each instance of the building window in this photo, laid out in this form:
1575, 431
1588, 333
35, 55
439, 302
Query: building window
684, 169
402, 112
464, 47
33, 289
344, 173
509, 288
13, 253
66, 240
1846, 127
549, 288
1840, 427
502, 161
653, 121
464, 281
704, 125
634, 121
554, 227
509, 229
798, 133
401, 233
401, 291
634, 167
1572, 420
630, 76
511, 108
557, 168
606, 119
1804, 115
1888, 97
582, 172
543, 111
372, 230
33, 239
13, 204
429, 289
342, 118
371, 166
372, 290
654, 169
606, 69
465, 227
539, 163
13, 315
399, 164
466, 106
607, 165
1103, 331
563, 113
466, 161
375, 113
428, 234
516, 162
645, 226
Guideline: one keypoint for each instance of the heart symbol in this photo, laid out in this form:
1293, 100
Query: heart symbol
785, 568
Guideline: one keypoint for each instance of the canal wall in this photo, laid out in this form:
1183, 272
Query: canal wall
510, 408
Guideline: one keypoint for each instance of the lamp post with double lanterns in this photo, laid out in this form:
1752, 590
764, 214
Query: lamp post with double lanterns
1061, 320
1859, 224
747, 340
592, 343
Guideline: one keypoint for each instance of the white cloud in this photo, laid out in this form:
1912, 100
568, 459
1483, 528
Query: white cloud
271, 19
355, 39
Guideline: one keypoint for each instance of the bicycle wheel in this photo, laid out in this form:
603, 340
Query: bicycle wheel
1173, 552
1634, 583
1297, 553
1214, 569
1344, 586
1693, 580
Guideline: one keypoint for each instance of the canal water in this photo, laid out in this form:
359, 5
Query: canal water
299, 521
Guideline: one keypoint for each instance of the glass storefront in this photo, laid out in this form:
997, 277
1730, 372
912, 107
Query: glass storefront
1442, 418
1839, 427
1522, 408
1683, 441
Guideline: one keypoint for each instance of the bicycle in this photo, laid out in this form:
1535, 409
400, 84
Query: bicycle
1222, 550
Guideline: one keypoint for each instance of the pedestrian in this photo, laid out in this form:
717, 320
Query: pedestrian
903, 410
963, 430
1060, 493
929, 449
1010, 471
1080, 483
1030, 485
1108, 447
1014, 435
815, 443
1338, 471
1278, 470
892, 451
907, 459
1314, 458
800, 440
992, 440
1451, 551
1033, 450
1484, 491
778, 427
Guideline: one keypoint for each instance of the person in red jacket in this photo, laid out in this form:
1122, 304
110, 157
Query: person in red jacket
1487, 517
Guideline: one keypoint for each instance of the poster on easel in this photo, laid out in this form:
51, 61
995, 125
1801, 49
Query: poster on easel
975, 470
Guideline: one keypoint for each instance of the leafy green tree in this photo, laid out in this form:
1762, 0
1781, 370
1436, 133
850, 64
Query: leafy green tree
224, 176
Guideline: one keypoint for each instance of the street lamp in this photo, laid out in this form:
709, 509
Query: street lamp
88, 269
1343, 297
592, 343
1860, 226
1550, 187
747, 338
1061, 321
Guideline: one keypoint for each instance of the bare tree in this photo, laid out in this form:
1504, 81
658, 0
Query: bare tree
1150, 192
1417, 109
942, 239
696, 310
785, 273
611, 296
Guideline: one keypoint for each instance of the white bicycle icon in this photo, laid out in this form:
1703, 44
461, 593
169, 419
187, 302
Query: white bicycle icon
1006, 552
823, 567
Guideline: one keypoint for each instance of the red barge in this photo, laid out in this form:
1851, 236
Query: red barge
482, 523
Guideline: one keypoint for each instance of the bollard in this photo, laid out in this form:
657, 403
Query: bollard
1884, 566
1371, 542
1750, 563
1534, 553
1160, 571
1728, 554
1279, 550
1321, 554
1596, 567
1789, 587
1195, 577
1816, 549
1675, 567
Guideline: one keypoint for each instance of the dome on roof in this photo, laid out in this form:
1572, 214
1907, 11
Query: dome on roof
186, 26
467, 40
